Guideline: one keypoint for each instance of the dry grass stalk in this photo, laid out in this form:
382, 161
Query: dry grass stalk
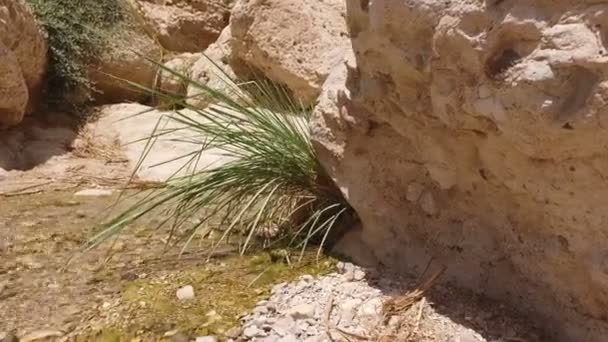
90, 146
401, 304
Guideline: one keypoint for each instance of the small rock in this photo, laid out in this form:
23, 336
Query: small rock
466, 336
171, 333
251, 332
185, 293
284, 325
278, 288
260, 310
288, 338
233, 332
371, 308
29, 262
307, 277
358, 275
94, 193
345, 267
302, 311
40, 335
257, 322
206, 339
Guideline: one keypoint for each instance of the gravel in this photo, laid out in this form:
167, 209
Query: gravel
299, 312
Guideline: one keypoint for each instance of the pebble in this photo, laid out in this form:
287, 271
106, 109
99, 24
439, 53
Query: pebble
40, 335
466, 336
296, 311
302, 311
94, 193
206, 339
358, 275
251, 332
185, 293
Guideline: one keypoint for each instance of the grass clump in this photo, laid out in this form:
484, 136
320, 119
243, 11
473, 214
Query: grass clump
271, 184
76, 31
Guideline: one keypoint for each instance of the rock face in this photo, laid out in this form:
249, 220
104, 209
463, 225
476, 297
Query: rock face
186, 25
23, 59
474, 132
126, 58
292, 42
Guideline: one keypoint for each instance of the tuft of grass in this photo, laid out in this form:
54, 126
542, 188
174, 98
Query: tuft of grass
76, 31
271, 184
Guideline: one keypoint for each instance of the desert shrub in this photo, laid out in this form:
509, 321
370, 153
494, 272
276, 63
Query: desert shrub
273, 180
75, 31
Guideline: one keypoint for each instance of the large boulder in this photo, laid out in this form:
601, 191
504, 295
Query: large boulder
474, 133
169, 155
215, 69
186, 25
131, 56
23, 60
292, 42
175, 69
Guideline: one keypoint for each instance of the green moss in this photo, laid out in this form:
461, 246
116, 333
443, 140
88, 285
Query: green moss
76, 31
224, 291
105, 335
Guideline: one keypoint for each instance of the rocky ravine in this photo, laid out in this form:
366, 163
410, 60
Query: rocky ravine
470, 132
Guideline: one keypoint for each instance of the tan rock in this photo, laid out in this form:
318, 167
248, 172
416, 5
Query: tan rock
126, 59
23, 60
497, 111
181, 64
292, 42
14, 94
213, 69
185, 25
131, 124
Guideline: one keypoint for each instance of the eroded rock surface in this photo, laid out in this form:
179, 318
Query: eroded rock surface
184, 25
214, 69
173, 83
473, 132
169, 154
23, 60
127, 59
292, 42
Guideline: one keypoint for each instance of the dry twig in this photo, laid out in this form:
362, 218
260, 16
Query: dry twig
401, 304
